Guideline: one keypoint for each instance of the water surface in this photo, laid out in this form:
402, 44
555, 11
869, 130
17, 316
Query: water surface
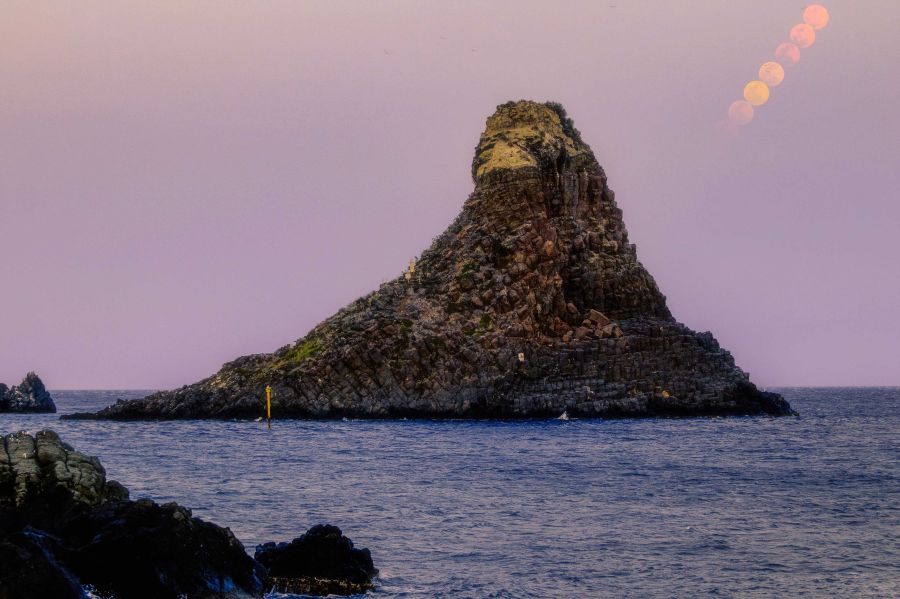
729, 507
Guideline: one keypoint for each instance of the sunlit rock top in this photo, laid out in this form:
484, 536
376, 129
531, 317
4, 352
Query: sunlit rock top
527, 134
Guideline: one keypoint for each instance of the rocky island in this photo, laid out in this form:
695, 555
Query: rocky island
531, 304
64, 527
28, 396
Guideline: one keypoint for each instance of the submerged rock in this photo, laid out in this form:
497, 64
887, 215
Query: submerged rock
64, 525
28, 396
321, 562
531, 303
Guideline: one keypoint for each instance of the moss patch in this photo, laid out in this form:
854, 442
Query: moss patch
305, 349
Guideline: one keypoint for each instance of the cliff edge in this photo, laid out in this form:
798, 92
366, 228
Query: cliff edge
531, 303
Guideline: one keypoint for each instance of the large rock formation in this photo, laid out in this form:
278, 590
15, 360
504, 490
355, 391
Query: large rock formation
64, 525
531, 303
28, 396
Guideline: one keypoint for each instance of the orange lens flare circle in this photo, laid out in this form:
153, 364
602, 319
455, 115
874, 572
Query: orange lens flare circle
787, 54
803, 35
771, 73
756, 93
740, 112
816, 16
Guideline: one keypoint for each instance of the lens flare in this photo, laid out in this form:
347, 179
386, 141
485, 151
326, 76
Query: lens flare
787, 54
771, 74
816, 16
756, 92
740, 112
803, 35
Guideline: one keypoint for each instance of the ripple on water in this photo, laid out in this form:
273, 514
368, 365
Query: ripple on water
583, 508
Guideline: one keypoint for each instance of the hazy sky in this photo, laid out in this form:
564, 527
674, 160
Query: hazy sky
183, 183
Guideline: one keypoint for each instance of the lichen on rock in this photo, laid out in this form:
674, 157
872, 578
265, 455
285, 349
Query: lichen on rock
525, 134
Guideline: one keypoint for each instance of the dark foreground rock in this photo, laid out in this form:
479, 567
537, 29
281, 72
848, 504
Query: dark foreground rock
28, 396
531, 303
29, 569
63, 526
323, 561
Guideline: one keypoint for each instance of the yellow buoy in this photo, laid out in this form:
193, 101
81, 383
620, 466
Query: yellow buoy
269, 406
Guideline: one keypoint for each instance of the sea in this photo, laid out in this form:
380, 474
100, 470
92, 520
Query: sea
694, 507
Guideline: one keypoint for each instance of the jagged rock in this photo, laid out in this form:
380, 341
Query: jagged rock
40, 476
28, 396
598, 318
321, 562
138, 549
57, 506
63, 525
29, 570
542, 246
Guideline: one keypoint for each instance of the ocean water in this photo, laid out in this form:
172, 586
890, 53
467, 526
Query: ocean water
724, 507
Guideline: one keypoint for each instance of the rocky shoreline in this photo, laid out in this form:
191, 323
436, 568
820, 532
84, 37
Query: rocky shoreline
64, 527
531, 304
28, 396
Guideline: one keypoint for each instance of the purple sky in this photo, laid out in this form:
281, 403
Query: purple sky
180, 185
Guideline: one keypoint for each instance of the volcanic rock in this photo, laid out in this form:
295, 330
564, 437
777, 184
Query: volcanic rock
531, 303
28, 396
139, 549
60, 519
29, 570
64, 525
321, 562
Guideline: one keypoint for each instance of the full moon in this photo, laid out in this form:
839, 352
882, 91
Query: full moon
816, 16
771, 74
787, 54
756, 92
740, 112
803, 35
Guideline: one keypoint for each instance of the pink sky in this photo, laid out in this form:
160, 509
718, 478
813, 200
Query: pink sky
182, 184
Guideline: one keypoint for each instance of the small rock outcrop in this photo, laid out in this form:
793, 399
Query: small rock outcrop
64, 526
321, 562
531, 304
28, 396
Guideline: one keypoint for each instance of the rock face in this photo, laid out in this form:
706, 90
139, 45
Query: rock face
64, 525
29, 570
321, 562
29, 396
139, 548
531, 303
64, 521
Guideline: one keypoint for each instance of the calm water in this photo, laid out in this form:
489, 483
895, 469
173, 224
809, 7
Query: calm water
741, 507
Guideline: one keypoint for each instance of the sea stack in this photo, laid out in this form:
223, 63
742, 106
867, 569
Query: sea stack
28, 396
531, 304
